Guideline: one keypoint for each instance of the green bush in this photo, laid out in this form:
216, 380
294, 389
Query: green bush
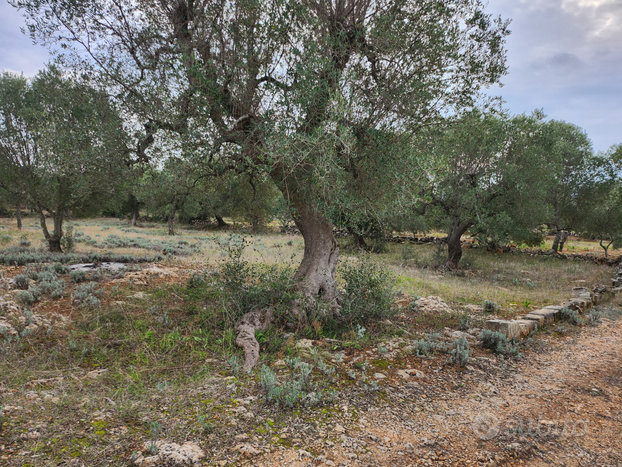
77, 276
368, 294
572, 316
428, 345
490, 306
460, 352
498, 343
86, 295
21, 281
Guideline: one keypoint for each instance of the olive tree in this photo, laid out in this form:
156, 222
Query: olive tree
483, 177
567, 150
289, 88
61, 146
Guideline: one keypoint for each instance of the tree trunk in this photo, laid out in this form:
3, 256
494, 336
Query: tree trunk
319, 264
221, 222
171, 219
359, 240
52, 239
18, 214
134, 205
562, 240
454, 248
556, 240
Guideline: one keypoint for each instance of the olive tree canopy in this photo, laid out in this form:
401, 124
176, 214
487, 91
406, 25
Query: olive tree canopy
292, 88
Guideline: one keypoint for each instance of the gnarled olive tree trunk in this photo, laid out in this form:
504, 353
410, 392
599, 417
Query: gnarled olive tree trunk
54, 237
318, 268
454, 247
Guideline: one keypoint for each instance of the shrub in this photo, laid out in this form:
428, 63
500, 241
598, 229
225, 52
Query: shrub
461, 352
26, 297
428, 345
490, 306
67, 241
595, 317
572, 316
498, 343
21, 281
60, 268
296, 390
5, 238
77, 276
368, 295
54, 289
86, 295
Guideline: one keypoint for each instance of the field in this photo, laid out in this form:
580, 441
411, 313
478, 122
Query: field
153, 356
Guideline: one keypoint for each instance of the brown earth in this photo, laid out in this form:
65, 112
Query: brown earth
558, 406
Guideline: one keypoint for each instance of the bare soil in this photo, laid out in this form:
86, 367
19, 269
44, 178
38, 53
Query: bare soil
559, 405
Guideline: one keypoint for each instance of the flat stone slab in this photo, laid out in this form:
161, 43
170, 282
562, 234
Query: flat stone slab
89, 267
527, 326
538, 319
548, 314
553, 307
577, 291
510, 329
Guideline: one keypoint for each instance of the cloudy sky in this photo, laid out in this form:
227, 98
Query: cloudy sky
565, 57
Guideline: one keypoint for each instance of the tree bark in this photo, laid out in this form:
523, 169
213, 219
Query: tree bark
134, 205
318, 268
454, 247
134, 219
52, 239
556, 240
562, 240
221, 222
18, 214
171, 219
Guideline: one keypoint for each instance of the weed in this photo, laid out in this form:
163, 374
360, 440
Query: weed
465, 323
490, 307
21, 281
571, 316
460, 352
428, 345
235, 364
498, 343
86, 295
368, 295
77, 276
595, 317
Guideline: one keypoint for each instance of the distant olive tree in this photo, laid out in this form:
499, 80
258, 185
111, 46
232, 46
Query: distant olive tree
62, 146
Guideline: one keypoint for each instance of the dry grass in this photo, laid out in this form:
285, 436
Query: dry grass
165, 355
516, 282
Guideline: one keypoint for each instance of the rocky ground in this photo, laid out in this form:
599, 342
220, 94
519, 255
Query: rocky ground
560, 405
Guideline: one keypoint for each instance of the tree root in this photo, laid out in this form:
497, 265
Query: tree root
254, 320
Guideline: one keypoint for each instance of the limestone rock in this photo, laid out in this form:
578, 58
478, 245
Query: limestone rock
171, 455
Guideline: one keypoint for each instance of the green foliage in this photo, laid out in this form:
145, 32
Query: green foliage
368, 293
86, 295
21, 281
428, 345
595, 317
571, 316
22, 256
498, 343
490, 306
77, 276
460, 352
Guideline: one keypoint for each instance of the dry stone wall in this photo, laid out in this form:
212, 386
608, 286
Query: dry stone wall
582, 299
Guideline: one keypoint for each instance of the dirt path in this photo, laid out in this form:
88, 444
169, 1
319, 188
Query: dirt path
559, 406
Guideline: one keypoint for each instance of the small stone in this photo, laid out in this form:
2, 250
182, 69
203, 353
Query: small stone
379, 376
339, 429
